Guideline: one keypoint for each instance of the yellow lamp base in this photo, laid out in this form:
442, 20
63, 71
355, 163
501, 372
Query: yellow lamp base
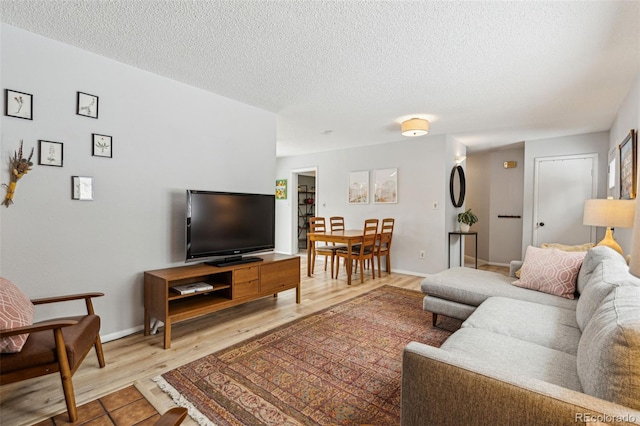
610, 242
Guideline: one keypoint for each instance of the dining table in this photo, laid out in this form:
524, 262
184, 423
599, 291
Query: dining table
346, 236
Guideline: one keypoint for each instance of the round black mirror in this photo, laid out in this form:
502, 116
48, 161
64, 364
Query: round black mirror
457, 185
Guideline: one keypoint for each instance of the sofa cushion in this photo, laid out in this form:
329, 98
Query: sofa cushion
607, 275
592, 259
16, 310
515, 356
609, 351
473, 286
563, 247
554, 327
551, 271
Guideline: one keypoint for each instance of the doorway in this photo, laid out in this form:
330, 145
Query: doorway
304, 205
561, 186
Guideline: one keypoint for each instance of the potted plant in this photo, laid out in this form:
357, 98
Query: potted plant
466, 219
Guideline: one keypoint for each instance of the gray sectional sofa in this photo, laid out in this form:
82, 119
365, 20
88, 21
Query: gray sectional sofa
523, 357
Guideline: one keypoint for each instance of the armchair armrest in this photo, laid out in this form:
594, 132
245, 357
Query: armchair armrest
86, 296
41, 326
65, 298
439, 387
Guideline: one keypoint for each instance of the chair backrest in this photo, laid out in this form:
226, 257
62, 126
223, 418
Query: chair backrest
336, 223
386, 232
172, 417
317, 224
369, 235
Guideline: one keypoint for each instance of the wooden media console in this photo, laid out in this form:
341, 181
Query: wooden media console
231, 285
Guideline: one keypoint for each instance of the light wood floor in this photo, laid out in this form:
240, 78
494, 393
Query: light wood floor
137, 358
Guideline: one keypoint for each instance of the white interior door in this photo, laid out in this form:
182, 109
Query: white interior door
562, 184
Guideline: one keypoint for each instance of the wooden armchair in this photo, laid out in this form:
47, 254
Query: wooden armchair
57, 345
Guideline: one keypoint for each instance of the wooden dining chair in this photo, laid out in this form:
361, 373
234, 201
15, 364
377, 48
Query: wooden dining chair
337, 224
366, 249
318, 224
383, 245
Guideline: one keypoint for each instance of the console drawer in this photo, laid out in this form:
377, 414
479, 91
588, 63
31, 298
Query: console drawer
249, 288
242, 275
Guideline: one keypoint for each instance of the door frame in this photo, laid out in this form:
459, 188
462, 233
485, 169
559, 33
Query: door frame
294, 203
536, 174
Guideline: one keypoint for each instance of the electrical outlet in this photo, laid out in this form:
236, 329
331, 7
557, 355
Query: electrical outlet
422, 254
435, 205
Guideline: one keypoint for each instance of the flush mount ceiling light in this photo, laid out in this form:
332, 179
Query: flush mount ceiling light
415, 127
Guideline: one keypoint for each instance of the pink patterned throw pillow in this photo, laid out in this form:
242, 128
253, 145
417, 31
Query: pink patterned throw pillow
16, 310
550, 271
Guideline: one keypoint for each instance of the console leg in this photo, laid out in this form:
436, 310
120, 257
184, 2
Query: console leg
434, 319
167, 334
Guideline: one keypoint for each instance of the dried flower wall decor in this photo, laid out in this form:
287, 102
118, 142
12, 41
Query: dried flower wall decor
19, 167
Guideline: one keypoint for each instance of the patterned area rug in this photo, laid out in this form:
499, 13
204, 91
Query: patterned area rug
340, 366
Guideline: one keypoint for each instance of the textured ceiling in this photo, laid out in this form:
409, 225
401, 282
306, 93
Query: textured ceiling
346, 73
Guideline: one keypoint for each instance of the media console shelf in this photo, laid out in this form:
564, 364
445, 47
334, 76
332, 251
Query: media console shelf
232, 285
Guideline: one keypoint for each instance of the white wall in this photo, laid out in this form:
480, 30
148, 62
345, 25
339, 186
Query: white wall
628, 118
506, 199
494, 191
478, 199
167, 137
567, 145
423, 178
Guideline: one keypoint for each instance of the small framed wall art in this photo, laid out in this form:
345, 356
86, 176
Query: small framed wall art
87, 105
82, 188
50, 153
18, 104
281, 189
628, 166
386, 186
102, 145
359, 187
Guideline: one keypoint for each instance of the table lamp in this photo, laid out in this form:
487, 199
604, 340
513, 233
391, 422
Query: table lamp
611, 214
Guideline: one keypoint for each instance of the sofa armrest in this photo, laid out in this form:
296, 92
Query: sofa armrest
441, 388
514, 266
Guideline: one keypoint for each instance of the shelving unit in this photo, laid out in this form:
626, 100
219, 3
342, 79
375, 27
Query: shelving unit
305, 211
232, 285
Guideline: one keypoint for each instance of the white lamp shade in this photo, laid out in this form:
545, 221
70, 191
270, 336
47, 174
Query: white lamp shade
415, 127
609, 213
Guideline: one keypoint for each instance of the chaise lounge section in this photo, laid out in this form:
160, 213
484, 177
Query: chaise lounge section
522, 358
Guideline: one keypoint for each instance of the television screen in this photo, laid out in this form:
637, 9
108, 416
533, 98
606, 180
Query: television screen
227, 225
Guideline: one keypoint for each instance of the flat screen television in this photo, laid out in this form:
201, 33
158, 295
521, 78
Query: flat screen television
223, 226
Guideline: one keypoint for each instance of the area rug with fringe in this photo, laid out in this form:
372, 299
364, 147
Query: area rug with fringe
339, 366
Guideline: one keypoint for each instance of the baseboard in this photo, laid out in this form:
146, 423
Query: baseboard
120, 334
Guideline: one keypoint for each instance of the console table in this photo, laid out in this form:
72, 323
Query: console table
462, 234
232, 285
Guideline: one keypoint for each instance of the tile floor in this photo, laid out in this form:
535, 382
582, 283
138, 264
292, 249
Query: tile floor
126, 407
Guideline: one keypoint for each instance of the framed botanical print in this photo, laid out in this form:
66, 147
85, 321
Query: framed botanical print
101, 146
82, 188
18, 104
50, 153
628, 166
87, 105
